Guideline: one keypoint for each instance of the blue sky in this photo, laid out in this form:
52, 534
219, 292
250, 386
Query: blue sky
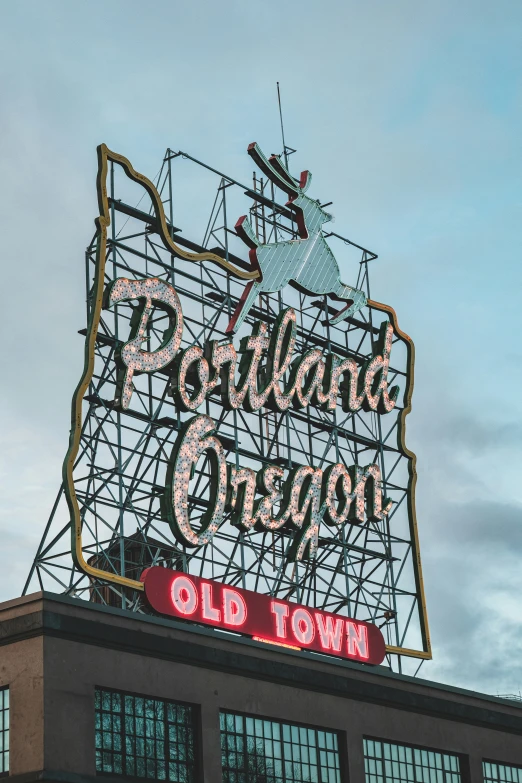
409, 116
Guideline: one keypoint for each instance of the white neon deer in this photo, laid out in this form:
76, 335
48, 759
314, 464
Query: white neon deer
307, 263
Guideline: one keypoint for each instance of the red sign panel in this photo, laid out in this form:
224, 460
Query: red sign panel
260, 616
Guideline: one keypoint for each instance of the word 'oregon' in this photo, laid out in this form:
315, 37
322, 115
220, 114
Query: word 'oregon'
305, 498
309, 379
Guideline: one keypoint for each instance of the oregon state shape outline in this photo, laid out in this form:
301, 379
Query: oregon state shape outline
102, 223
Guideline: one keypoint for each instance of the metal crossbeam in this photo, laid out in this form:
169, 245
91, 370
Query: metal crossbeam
366, 571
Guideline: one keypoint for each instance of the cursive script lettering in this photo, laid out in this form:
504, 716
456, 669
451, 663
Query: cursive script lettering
304, 498
261, 373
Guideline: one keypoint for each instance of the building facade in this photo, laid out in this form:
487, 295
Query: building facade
90, 691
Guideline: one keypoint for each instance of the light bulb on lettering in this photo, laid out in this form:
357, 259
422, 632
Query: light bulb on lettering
131, 357
195, 439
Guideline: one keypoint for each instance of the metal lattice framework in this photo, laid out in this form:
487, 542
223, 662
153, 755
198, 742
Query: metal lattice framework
371, 571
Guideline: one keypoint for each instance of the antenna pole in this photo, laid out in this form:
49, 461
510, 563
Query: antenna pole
282, 128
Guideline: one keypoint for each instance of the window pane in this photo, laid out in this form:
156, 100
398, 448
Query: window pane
157, 737
408, 764
253, 751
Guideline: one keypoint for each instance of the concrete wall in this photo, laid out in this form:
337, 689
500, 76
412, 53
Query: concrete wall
73, 670
21, 668
83, 646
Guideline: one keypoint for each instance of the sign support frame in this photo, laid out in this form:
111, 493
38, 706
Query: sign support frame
166, 233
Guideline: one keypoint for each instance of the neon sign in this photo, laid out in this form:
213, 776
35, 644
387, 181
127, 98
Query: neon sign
314, 379
338, 494
282, 444
306, 263
262, 617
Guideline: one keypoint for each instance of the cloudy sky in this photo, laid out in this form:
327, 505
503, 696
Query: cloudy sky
409, 116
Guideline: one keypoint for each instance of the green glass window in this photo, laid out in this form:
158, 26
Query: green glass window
254, 750
144, 738
386, 762
501, 773
4, 731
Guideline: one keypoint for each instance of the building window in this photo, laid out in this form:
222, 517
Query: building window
266, 751
385, 762
4, 731
501, 773
144, 738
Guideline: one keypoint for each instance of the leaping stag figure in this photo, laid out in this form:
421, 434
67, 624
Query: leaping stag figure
306, 263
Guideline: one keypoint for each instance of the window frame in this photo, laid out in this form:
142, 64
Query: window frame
499, 764
3, 688
196, 726
462, 758
340, 734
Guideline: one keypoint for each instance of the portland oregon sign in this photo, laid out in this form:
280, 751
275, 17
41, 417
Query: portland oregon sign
237, 454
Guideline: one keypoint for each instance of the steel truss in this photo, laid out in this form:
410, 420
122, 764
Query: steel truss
370, 572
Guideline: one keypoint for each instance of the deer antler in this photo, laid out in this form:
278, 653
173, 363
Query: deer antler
304, 180
277, 173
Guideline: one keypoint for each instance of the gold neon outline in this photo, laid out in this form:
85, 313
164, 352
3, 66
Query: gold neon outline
102, 224
160, 216
412, 483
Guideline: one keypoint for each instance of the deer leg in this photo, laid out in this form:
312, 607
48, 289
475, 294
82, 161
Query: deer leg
355, 300
243, 307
